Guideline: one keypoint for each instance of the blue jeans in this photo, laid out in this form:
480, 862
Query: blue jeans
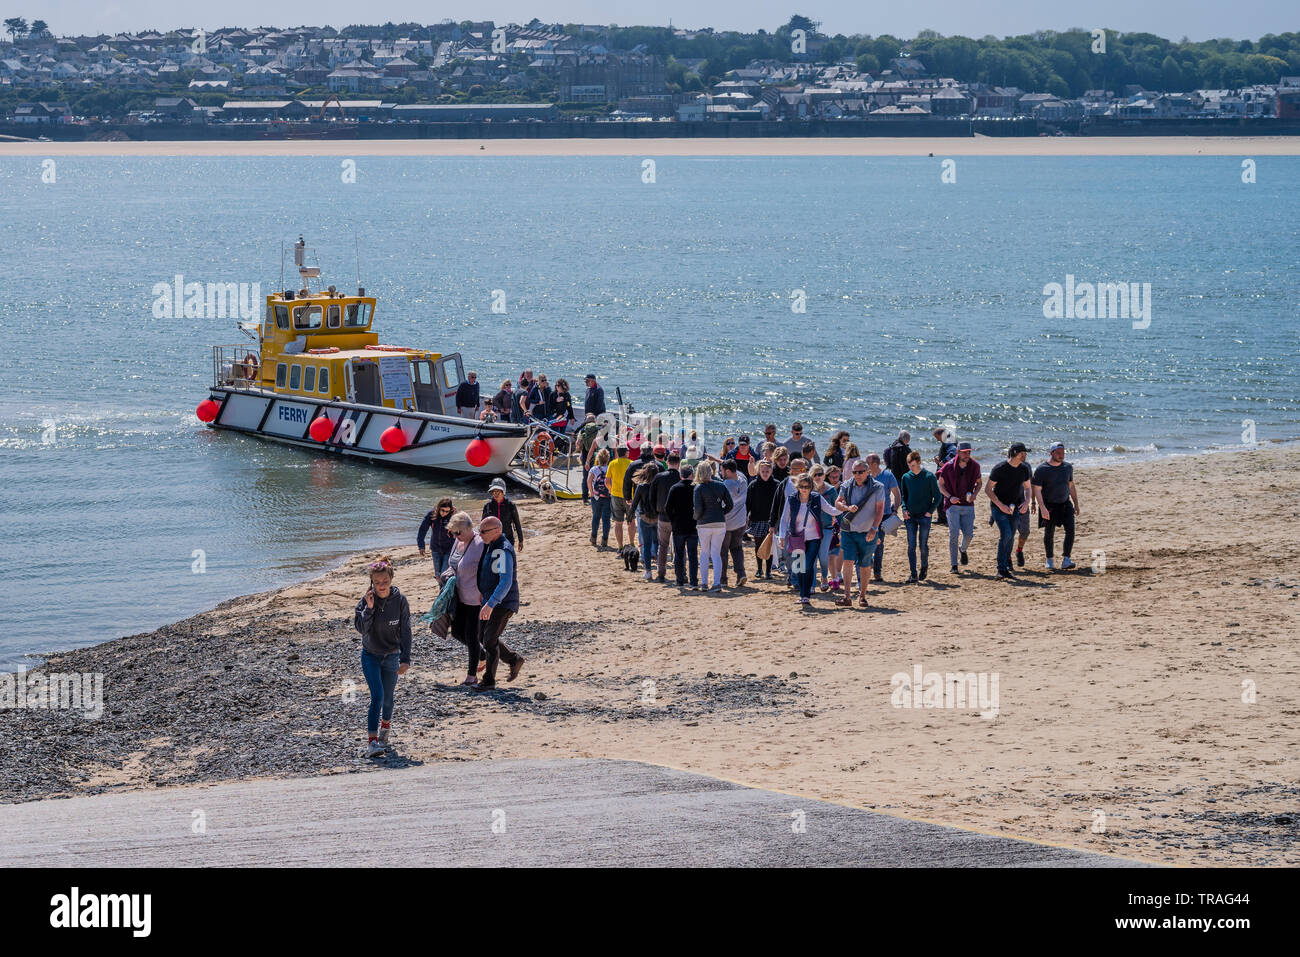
381, 677
1006, 536
649, 536
600, 513
824, 554
918, 527
961, 520
804, 568
440, 561
686, 559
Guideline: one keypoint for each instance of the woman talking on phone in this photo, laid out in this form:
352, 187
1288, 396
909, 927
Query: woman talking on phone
384, 619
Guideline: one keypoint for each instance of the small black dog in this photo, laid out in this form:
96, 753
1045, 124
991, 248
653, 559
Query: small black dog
631, 557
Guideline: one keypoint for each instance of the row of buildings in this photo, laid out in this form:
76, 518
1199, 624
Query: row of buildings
449, 74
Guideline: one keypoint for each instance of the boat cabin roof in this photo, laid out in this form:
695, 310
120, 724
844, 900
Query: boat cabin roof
354, 354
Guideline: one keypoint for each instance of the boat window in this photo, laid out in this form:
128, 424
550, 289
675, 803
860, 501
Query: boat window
325, 378
451, 372
280, 371
423, 373
332, 317
358, 314
282, 317
309, 379
295, 377
306, 317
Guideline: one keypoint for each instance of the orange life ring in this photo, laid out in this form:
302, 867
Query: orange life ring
251, 364
543, 450
330, 350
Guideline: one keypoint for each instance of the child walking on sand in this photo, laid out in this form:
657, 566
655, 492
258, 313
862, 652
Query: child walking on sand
384, 619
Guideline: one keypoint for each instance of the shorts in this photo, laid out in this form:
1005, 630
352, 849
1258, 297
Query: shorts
619, 509
1020, 522
857, 549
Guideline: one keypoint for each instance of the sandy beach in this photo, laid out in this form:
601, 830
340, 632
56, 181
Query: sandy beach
772, 146
1125, 720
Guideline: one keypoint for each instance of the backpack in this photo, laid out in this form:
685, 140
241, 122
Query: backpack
598, 483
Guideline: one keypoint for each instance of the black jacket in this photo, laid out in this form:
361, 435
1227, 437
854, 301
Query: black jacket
646, 460
467, 395
509, 515
760, 499
660, 488
681, 508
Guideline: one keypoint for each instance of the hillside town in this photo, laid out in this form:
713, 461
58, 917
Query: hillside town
479, 72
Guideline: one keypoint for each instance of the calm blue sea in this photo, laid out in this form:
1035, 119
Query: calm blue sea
924, 303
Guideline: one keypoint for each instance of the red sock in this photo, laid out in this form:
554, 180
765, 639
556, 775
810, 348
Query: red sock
373, 737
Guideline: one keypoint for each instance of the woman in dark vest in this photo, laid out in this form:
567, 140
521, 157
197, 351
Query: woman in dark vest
801, 532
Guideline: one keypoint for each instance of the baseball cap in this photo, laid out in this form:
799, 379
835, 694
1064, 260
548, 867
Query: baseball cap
1057, 445
743, 438
660, 451
591, 375
963, 446
1016, 449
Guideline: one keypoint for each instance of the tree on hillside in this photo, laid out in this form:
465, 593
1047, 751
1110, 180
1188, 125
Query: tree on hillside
17, 27
40, 28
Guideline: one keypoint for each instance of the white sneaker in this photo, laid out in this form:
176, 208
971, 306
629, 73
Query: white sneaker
649, 577
376, 748
1067, 564
1051, 565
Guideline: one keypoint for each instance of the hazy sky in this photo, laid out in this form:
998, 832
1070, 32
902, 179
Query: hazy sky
1239, 19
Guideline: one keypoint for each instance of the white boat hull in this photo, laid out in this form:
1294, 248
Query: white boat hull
433, 441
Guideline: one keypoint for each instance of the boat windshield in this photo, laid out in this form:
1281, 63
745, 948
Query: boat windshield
358, 314
307, 317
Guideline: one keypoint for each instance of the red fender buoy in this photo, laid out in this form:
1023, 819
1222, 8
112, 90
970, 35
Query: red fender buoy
321, 428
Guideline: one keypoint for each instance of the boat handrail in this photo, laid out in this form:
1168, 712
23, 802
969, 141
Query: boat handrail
230, 366
558, 468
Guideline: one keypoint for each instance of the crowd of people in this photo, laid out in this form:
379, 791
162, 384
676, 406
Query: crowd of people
532, 398
817, 520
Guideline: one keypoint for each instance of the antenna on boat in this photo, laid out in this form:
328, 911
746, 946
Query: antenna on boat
282, 264
357, 243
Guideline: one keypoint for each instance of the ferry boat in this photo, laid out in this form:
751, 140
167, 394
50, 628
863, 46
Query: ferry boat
319, 378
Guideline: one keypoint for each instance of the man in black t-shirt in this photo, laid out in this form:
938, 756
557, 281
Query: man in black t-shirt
1008, 490
1058, 502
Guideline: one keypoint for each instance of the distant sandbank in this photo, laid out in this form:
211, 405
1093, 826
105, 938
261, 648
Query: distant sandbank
783, 146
